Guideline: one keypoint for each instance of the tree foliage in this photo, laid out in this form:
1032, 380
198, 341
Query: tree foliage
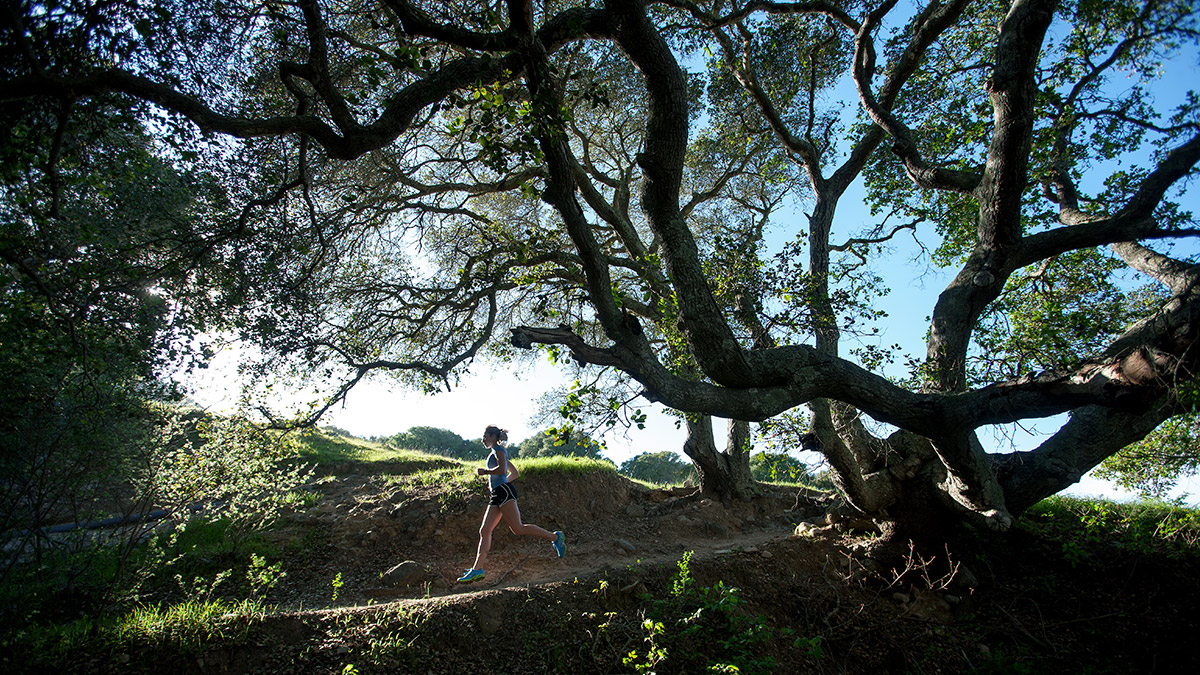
779, 467
549, 443
107, 273
439, 442
611, 182
664, 467
1153, 466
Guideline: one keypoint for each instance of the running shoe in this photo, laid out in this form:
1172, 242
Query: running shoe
471, 575
560, 544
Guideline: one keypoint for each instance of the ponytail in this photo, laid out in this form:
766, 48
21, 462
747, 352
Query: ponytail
500, 434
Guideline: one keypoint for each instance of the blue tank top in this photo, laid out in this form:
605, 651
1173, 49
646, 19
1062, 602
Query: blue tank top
495, 480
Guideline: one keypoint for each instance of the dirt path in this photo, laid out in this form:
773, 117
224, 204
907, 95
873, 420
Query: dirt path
364, 528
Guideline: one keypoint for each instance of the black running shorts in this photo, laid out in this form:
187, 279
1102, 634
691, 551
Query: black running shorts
502, 493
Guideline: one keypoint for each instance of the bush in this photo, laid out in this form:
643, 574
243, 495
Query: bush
779, 467
186, 470
663, 468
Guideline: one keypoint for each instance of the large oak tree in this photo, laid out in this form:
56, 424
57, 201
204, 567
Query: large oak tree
422, 179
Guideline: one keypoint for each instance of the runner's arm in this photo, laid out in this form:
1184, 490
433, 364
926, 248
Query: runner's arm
501, 464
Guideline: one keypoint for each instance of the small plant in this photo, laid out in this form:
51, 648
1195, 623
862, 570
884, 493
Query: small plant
811, 647
302, 499
337, 586
199, 588
261, 576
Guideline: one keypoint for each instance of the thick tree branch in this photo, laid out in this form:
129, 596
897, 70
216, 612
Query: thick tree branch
1092, 434
702, 323
416, 22
1176, 275
1013, 93
1134, 220
715, 22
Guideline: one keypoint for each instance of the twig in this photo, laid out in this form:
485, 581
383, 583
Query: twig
511, 569
1024, 631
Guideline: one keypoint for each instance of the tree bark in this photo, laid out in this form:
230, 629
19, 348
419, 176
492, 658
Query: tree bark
723, 475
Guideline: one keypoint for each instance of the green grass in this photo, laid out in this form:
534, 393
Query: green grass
557, 464
456, 480
798, 484
454, 484
188, 625
1142, 526
324, 449
176, 629
652, 485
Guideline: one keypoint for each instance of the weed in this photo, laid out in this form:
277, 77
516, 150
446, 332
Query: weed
302, 500
811, 647
997, 662
189, 625
337, 586
182, 628
1140, 527
455, 485
1074, 553
261, 576
199, 588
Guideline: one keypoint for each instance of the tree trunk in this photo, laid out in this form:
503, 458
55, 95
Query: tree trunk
724, 475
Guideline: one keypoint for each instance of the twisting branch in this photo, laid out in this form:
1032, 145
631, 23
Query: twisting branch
1131, 221
524, 337
828, 9
932, 21
417, 22
362, 368
851, 243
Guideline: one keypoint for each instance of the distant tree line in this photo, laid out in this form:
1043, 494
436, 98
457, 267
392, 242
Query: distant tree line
449, 444
665, 467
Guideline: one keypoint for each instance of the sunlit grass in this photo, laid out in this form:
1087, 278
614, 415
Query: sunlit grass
557, 464
323, 449
448, 477
302, 499
655, 486
183, 628
189, 625
454, 484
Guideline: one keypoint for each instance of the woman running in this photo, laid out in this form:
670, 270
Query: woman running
503, 504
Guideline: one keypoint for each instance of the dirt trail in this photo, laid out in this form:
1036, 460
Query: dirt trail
364, 527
